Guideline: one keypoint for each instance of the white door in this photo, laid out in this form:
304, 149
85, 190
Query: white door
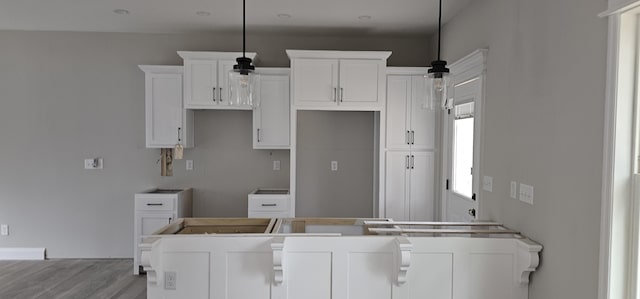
397, 170
224, 67
163, 109
315, 82
359, 81
421, 191
461, 159
201, 84
271, 118
398, 102
422, 120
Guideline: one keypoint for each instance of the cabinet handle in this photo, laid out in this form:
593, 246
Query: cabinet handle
179, 139
155, 204
413, 137
341, 94
269, 204
220, 94
214, 94
407, 137
406, 161
258, 133
413, 159
335, 94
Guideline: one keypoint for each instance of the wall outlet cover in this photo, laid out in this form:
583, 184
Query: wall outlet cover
189, 164
513, 192
276, 165
170, 280
526, 193
4, 230
487, 183
334, 165
95, 163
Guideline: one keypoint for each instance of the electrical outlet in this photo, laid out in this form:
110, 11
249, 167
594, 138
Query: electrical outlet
513, 192
276, 165
95, 163
170, 280
334, 165
4, 230
526, 193
189, 164
487, 183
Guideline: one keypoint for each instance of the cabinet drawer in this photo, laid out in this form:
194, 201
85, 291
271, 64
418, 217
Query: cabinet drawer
269, 203
154, 204
275, 214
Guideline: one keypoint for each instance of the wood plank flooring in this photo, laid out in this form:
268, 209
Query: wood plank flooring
71, 278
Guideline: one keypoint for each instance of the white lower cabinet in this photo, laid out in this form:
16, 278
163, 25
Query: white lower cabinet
155, 209
269, 203
271, 117
410, 185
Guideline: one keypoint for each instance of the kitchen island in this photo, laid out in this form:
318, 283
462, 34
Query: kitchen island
337, 258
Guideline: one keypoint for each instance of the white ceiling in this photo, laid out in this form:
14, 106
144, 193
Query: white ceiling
179, 16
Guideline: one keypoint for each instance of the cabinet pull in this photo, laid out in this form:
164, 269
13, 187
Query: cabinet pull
407, 137
413, 159
269, 204
406, 161
341, 94
258, 133
413, 137
214, 94
220, 94
155, 204
179, 139
335, 94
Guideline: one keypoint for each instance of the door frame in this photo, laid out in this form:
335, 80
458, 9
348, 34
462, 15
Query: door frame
465, 69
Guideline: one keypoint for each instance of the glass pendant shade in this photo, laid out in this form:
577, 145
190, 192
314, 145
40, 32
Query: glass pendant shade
242, 84
439, 86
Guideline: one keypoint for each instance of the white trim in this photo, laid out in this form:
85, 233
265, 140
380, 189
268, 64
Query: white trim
407, 70
7, 254
203, 55
321, 54
619, 7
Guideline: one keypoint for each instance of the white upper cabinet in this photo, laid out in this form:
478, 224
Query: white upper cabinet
167, 123
409, 124
271, 117
338, 80
206, 79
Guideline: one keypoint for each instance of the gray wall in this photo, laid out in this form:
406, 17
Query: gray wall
544, 127
65, 97
345, 137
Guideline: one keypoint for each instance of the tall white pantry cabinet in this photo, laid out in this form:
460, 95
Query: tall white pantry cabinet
410, 149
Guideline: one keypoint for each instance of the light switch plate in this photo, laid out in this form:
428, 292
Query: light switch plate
487, 183
513, 192
276, 165
189, 164
334, 165
526, 193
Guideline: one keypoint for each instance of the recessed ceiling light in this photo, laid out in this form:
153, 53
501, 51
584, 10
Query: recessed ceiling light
121, 11
364, 18
284, 16
203, 13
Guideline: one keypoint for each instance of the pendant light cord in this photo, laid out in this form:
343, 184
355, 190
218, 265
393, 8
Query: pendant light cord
439, 27
244, 35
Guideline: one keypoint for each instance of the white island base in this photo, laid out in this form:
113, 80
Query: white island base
306, 266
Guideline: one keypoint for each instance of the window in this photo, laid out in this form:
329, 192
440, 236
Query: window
463, 149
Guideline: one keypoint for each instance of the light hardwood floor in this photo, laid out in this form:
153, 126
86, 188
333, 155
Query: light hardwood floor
72, 278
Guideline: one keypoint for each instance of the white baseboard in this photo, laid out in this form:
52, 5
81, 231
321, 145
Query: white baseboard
22, 253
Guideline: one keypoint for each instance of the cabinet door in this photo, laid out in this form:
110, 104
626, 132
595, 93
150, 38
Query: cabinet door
423, 120
398, 107
201, 84
271, 118
224, 67
421, 186
163, 105
359, 80
397, 164
315, 82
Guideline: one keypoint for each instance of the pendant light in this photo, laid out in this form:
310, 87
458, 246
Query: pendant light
242, 77
439, 81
